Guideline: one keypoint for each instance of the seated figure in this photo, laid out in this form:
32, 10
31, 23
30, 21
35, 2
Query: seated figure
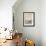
18, 39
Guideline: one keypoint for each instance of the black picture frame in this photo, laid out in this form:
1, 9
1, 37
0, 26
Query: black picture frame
28, 19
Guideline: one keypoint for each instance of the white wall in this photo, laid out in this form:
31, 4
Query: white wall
43, 22
6, 13
33, 33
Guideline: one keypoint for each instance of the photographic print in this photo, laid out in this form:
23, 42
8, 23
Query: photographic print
28, 19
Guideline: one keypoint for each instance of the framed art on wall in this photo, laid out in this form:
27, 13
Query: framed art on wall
28, 19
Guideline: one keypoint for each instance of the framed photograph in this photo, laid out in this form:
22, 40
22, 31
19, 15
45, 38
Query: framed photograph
28, 19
